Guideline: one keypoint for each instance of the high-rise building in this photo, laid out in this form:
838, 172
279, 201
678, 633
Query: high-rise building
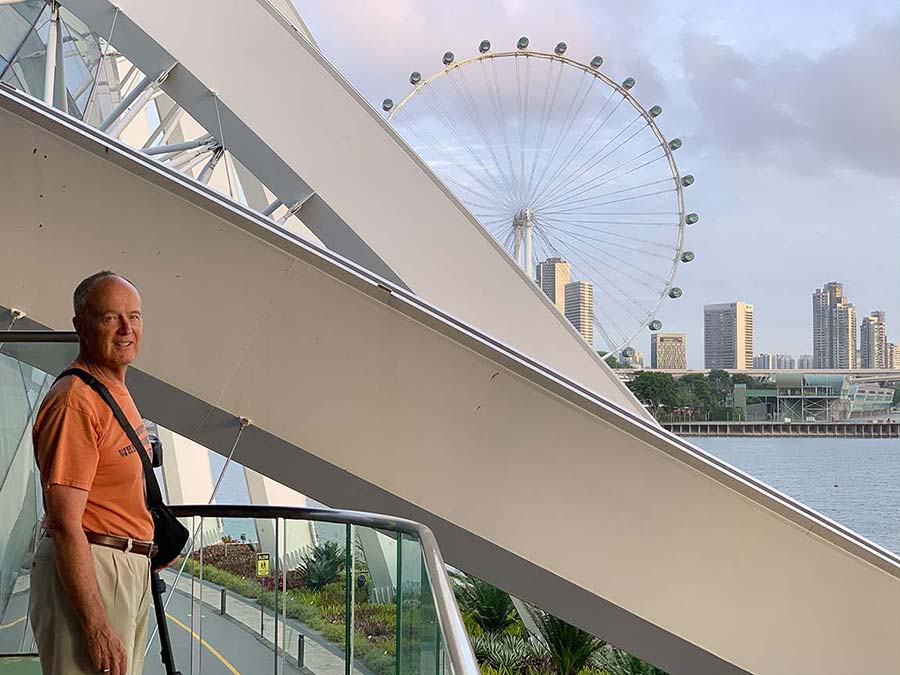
805, 362
834, 328
552, 276
784, 362
579, 308
873, 341
668, 351
764, 361
728, 335
893, 355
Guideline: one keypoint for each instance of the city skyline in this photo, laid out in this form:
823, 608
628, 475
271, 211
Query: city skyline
787, 162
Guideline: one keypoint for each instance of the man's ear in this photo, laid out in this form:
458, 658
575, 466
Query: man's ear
76, 323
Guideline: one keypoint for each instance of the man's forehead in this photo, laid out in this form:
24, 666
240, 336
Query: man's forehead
112, 292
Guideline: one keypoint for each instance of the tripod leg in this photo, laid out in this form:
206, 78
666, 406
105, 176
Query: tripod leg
158, 587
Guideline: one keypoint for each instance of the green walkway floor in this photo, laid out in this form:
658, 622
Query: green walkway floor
20, 665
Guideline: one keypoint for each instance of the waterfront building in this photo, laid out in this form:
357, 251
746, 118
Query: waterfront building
728, 335
893, 355
784, 362
579, 308
552, 276
873, 341
805, 362
668, 351
800, 397
834, 328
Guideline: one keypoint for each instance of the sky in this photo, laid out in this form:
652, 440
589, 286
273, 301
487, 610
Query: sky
789, 112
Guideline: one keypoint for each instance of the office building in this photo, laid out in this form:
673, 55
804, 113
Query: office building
668, 351
834, 328
579, 308
552, 276
873, 341
805, 362
764, 361
728, 335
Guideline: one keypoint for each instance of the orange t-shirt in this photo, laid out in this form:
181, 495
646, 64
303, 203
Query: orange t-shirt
78, 442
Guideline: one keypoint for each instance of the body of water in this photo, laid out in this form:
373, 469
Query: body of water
867, 472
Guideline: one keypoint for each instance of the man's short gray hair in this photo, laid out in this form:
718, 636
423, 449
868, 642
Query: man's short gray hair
79, 298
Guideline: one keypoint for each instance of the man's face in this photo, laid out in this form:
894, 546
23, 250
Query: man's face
110, 328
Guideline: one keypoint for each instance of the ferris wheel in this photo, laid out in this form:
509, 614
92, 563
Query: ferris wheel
567, 171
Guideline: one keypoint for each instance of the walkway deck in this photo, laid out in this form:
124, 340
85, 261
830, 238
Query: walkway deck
819, 429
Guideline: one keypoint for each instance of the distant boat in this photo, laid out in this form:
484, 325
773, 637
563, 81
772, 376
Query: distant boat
835, 481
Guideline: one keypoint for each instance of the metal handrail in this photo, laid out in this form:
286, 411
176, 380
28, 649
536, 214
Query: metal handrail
456, 639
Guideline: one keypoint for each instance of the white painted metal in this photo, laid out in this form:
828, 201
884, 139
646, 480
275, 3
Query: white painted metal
364, 396
52, 54
362, 174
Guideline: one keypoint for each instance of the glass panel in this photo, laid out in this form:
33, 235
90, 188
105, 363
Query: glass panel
418, 644
24, 380
26, 72
374, 609
15, 22
81, 50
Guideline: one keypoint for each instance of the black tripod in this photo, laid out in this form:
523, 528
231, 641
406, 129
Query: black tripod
158, 587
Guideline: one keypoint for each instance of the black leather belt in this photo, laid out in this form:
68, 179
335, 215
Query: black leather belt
126, 544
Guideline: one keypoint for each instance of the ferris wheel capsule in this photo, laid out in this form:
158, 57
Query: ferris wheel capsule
448, 58
415, 77
628, 352
655, 111
387, 104
561, 49
656, 324
596, 62
522, 43
675, 292
691, 218
687, 181
485, 46
674, 144
687, 256
628, 83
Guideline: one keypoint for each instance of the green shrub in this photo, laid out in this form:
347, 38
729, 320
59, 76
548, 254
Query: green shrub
489, 607
322, 565
570, 647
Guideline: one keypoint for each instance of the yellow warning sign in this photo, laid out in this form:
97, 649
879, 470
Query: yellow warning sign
262, 564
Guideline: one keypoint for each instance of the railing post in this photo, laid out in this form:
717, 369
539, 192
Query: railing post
301, 649
222, 602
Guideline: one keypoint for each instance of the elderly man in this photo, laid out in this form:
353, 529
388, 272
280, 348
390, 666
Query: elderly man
90, 581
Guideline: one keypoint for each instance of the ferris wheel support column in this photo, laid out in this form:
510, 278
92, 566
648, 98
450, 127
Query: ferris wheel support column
523, 223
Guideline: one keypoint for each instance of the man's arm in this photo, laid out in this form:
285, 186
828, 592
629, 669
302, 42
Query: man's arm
65, 508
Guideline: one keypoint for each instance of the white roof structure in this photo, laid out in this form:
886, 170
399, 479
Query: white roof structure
376, 383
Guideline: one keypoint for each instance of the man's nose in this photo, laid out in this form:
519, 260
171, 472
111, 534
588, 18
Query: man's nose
124, 327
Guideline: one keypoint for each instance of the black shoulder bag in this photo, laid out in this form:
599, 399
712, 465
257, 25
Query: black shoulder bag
169, 534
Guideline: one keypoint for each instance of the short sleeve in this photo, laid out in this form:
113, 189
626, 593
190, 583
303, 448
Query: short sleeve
66, 446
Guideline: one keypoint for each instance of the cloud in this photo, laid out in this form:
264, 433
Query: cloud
840, 110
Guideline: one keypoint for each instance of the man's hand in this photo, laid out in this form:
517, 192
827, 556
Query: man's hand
107, 651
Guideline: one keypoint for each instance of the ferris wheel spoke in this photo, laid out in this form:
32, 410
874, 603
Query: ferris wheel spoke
502, 115
638, 240
591, 241
505, 206
589, 200
598, 307
566, 125
471, 108
613, 193
586, 137
522, 109
633, 304
592, 184
632, 266
549, 101
429, 140
441, 110
587, 164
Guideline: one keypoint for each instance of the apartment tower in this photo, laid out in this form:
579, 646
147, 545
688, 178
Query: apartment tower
579, 308
552, 276
873, 341
834, 328
728, 335
668, 351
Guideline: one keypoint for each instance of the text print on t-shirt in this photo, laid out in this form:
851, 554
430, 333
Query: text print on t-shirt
142, 434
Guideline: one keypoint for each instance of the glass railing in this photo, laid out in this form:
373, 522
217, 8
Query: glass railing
263, 590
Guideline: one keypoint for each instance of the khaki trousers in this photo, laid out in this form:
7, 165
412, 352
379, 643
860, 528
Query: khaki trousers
123, 580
